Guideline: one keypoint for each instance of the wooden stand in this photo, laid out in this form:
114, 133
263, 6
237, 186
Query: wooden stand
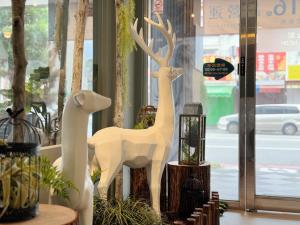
51, 215
177, 175
139, 188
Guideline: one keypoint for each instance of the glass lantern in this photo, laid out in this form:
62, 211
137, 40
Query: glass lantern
192, 125
19, 169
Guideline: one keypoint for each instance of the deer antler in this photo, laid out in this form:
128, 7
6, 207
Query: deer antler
167, 33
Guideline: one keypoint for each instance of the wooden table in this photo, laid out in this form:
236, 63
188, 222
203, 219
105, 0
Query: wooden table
51, 215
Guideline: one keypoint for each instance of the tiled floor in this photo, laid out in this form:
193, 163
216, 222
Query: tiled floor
260, 218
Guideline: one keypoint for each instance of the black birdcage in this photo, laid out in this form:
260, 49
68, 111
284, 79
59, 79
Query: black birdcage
19, 168
192, 135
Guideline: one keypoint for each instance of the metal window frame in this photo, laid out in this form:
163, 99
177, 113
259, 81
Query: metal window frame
249, 200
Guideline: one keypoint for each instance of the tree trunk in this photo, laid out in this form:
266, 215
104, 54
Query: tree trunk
79, 43
20, 62
178, 175
61, 35
118, 119
63, 54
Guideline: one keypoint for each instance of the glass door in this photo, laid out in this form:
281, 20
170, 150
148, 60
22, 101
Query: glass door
272, 105
254, 165
205, 30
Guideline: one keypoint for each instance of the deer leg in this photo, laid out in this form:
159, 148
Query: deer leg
106, 179
156, 174
110, 162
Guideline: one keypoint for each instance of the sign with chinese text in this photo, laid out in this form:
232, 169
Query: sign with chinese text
222, 17
219, 69
211, 59
270, 61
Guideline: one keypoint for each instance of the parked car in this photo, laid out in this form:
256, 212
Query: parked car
284, 118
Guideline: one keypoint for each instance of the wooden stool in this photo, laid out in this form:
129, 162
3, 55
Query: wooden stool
51, 215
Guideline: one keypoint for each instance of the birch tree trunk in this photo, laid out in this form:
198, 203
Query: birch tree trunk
80, 18
20, 62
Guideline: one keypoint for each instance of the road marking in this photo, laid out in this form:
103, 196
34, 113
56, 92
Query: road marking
257, 148
278, 138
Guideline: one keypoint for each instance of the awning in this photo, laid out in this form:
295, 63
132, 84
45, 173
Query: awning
219, 91
270, 89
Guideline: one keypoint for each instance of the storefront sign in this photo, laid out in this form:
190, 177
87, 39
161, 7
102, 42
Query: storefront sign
270, 61
158, 6
294, 72
222, 17
219, 69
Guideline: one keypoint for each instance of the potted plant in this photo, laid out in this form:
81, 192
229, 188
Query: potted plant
120, 212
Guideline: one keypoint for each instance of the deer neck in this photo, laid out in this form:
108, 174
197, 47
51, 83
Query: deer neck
74, 143
165, 110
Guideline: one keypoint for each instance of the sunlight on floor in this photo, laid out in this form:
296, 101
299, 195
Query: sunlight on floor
260, 218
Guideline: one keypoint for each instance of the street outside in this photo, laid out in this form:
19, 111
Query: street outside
277, 163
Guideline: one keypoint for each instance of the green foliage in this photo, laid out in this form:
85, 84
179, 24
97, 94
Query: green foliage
146, 117
52, 178
33, 89
145, 122
96, 176
125, 42
36, 41
128, 212
19, 178
223, 206
36, 35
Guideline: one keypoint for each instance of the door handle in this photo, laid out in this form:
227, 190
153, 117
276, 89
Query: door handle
242, 66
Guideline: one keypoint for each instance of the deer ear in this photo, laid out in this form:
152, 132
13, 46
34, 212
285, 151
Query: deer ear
78, 99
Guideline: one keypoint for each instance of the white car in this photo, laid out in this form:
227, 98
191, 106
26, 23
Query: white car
284, 118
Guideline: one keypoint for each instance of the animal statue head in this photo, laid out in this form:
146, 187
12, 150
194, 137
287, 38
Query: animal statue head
90, 101
162, 60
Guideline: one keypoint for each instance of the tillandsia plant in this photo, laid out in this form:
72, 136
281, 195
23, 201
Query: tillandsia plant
125, 212
20, 177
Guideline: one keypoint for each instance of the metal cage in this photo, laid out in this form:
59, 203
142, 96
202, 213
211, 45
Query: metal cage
19, 169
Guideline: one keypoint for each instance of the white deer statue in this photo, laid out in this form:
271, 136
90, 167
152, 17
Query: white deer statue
142, 148
74, 161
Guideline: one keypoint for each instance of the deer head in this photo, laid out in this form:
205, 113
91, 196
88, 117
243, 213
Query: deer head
90, 101
162, 60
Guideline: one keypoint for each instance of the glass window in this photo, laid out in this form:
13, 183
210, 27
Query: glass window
44, 61
202, 36
291, 110
273, 110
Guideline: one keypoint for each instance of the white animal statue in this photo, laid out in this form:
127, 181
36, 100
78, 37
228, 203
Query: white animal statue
142, 148
74, 161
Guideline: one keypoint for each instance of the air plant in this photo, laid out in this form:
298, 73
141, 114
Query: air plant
20, 177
